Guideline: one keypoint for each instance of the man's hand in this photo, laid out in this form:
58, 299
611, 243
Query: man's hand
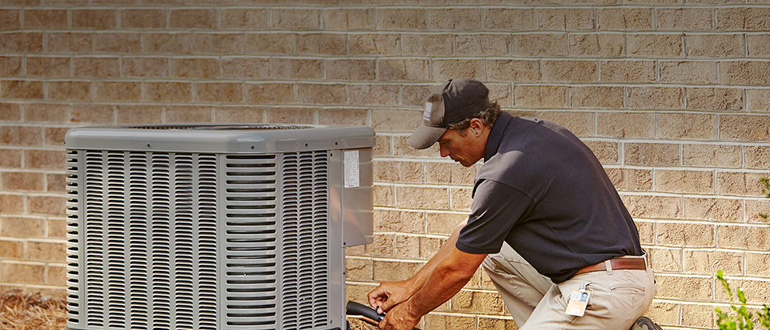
401, 317
389, 294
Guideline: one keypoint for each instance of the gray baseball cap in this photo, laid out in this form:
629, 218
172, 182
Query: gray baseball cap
456, 101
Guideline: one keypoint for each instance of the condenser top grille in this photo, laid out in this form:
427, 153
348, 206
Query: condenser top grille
223, 127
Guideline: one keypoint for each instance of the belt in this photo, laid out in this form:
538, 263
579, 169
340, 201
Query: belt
615, 264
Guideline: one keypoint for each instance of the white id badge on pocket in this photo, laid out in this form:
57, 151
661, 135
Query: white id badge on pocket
578, 301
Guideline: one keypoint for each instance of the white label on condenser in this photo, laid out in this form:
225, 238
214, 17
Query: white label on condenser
351, 169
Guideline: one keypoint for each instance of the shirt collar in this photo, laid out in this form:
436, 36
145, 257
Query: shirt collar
496, 135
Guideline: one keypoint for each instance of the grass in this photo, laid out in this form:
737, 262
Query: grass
20, 311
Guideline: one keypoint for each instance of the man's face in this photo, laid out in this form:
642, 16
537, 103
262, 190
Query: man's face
464, 147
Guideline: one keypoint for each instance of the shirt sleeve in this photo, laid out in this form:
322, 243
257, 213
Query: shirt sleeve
495, 210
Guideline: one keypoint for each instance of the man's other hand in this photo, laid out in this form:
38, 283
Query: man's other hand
400, 317
389, 294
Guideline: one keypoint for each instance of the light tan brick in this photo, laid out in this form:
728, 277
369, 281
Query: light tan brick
460, 199
193, 19
665, 313
96, 67
744, 127
168, 43
444, 223
646, 232
143, 18
565, 19
45, 112
399, 221
756, 157
743, 18
234, 114
452, 68
449, 322
687, 126
496, 324
382, 146
628, 71
195, 67
757, 291
653, 206
18, 226
455, 19
597, 44
69, 42
708, 262
401, 148
675, 181
269, 93
69, 90
685, 19
10, 112
739, 183
394, 270
388, 171
219, 92
714, 45
46, 251
130, 114
290, 115
56, 275
286, 68
686, 234
371, 95
726, 99
382, 245
22, 42
597, 97
322, 93
21, 181
97, 19
296, 19
569, 71
724, 210
358, 269
501, 93
449, 173
348, 19
21, 89
168, 91
363, 69
11, 249
509, 19
56, 182
657, 98
22, 273
321, 44
92, 113
401, 19
483, 45
541, 44
46, 205
540, 96
401, 69
244, 18
692, 72
755, 238
665, 259
709, 155
416, 95
685, 288
188, 114
406, 247
217, 43
758, 100
744, 72
625, 124
655, 45
10, 158
342, 117
374, 44
270, 43
624, 19
144, 67
757, 45
20, 135
477, 302
421, 44
579, 123
630, 179
652, 154
513, 70
48, 66
757, 263
118, 91
11, 66
422, 198
700, 316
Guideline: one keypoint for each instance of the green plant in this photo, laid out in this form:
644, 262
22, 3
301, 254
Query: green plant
743, 318
765, 190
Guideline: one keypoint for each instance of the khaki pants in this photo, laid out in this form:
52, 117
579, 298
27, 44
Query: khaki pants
618, 297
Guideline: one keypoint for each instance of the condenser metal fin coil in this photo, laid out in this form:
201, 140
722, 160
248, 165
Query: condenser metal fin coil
214, 226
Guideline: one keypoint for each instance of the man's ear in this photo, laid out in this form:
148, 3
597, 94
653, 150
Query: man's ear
476, 126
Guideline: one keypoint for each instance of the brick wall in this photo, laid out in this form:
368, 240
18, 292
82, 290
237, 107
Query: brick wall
672, 95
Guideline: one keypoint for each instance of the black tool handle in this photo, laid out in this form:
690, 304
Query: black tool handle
354, 308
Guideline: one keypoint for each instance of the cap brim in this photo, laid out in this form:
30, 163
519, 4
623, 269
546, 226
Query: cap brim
425, 136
